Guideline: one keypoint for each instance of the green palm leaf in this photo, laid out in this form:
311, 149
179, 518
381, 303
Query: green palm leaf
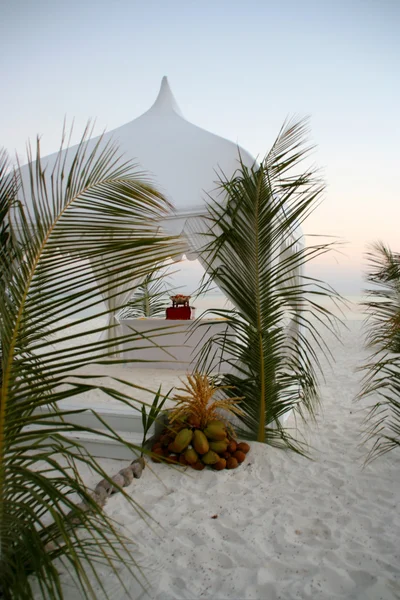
383, 298
255, 255
86, 228
382, 371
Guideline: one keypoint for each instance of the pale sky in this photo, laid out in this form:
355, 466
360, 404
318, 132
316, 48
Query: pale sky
237, 69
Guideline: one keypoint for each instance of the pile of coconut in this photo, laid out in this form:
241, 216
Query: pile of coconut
195, 434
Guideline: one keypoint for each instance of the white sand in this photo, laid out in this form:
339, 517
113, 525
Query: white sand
286, 527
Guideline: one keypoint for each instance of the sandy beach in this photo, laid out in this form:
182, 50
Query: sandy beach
280, 526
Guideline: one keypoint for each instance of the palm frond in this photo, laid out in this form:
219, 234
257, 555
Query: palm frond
255, 255
83, 229
9, 185
382, 371
383, 298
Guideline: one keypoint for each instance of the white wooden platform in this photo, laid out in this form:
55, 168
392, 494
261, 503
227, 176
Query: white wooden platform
172, 344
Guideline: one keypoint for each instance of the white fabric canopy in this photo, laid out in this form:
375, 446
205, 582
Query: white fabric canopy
181, 158
114, 296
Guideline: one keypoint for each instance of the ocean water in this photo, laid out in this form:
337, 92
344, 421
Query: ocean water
351, 308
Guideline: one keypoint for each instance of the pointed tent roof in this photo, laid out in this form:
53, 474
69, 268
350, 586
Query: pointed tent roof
165, 101
182, 159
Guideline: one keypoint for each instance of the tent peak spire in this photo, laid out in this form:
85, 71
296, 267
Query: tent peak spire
165, 102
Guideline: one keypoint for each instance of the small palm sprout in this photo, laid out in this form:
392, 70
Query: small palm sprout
196, 404
150, 299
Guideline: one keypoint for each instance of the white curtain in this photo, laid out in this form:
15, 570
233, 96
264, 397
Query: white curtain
115, 297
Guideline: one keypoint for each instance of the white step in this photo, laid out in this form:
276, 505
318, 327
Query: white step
121, 418
101, 447
118, 416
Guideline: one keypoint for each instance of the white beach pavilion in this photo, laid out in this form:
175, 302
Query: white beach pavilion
184, 162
